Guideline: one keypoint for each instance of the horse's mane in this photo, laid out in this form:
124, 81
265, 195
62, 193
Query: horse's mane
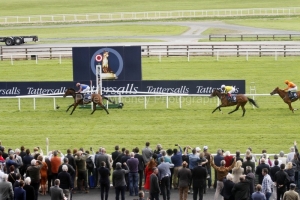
71, 89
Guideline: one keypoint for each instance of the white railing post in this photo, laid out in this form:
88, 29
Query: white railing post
179, 101
145, 102
19, 103
36, 59
188, 53
167, 99
33, 103
159, 57
59, 58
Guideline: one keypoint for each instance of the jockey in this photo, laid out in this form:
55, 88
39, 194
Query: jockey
228, 90
83, 88
291, 87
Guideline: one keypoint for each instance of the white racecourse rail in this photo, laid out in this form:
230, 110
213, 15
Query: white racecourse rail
167, 96
151, 15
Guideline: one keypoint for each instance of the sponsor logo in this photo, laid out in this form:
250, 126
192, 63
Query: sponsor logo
10, 91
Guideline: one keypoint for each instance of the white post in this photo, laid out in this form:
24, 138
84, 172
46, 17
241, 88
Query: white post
59, 58
179, 101
167, 101
145, 102
11, 60
33, 103
54, 106
19, 102
188, 56
36, 59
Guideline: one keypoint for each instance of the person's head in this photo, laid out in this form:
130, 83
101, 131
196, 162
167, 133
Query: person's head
127, 152
35, 149
223, 87
237, 153
197, 149
175, 151
289, 165
250, 149
242, 178
275, 157
227, 153
184, 164
263, 151
248, 169
162, 159
292, 149
248, 157
170, 152
154, 156
68, 151
66, 160
136, 150
151, 164
219, 152
27, 151
102, 164
205, 148
281, 153
276, 162
141, 194
147, 144
292, 186
282, 166
57, 182
155, 170
11, 168
77, 84
286, 81
163, 152
40, 158
54, 153
223, 163
65, 168
262, 160
229, 177
4, 177
21, 183
194, 151
123, 150
33, 162
264, 171
18, 176
79, 153
27, 181
132, 155
201, 155
258, 187
117, 147
238, 164
22, 148
158, 147
118, 165
75, 151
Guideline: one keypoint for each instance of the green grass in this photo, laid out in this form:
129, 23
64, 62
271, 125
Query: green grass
131, 126
43, 7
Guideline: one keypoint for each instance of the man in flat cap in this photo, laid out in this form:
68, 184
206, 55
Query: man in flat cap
291, 194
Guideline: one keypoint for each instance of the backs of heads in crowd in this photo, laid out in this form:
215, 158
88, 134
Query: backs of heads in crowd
205, 148
136, 150
258, 187
117, 147
281, 154
65, 168
292, 186
27, 181
56, 182
229, 177
141, 194
282, 166
147, 144
248, 169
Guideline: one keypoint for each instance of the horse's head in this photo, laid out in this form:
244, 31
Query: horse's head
275, 91
69, 91
216, 92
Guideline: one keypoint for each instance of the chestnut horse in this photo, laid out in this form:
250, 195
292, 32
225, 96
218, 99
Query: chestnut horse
285, 97
241, 100
78, 99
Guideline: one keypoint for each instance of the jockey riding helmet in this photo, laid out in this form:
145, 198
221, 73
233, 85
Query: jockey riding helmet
77, 84
286, 81
222, 86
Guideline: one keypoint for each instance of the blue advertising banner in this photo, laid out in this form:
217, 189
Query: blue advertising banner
126, 87
118, 63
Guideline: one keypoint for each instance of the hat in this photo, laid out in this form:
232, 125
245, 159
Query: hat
205, 147
11, 152
198, 149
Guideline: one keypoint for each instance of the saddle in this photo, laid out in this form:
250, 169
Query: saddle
86, 97
293, 95
232, 98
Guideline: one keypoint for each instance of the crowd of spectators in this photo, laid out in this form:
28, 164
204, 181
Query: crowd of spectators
158, 173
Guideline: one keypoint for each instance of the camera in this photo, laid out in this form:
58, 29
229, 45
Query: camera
176, 144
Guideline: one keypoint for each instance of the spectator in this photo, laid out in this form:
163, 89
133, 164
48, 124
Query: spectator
177, 161
30, 194
55, 163
296, 163
241, 189
6, 189
281, 181
17, 182
199, 176
237, 171
258, 195
141, 166
65, 181
12, 176
193, 159
238, 156
228, 158
273, 171
141, 195
251, 177
116, 153
259, 168
118, 179
34, 173
291, 173
208, 167
217, 161
80, 160
19, 192
277, 158
290, 155
164, 177
222, 172
228, 185
291, 194
267, 184
147, 153
154, 185
184, 177
148, 171
133, 176
248, 162
104, 180
43, 172
56, 192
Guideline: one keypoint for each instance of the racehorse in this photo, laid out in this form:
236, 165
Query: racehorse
285, 97
78, 99
241, 100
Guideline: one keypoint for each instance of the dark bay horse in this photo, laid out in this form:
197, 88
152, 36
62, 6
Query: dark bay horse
285, 97
78, 100
241, 100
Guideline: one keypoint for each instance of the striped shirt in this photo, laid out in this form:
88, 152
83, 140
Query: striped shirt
267, 184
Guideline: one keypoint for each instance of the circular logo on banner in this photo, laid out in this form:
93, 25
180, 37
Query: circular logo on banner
115, 60
98, 58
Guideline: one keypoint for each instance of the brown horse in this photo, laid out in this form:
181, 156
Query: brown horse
241, 100
78, 99
285, 97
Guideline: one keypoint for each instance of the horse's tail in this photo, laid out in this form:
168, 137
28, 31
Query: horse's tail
252, 102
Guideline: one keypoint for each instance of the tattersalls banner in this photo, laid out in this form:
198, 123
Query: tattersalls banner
124, 87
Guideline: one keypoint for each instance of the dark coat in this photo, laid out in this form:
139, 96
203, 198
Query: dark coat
65, 180
226, 191
199, 176
141, 161
241, 190
259, 170
29, 192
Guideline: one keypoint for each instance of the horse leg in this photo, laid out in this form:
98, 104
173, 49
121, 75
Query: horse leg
102, 106
94, 108
216, 109
75, 105
69, 107
290, 106
236, 108
108, 99
244, 110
